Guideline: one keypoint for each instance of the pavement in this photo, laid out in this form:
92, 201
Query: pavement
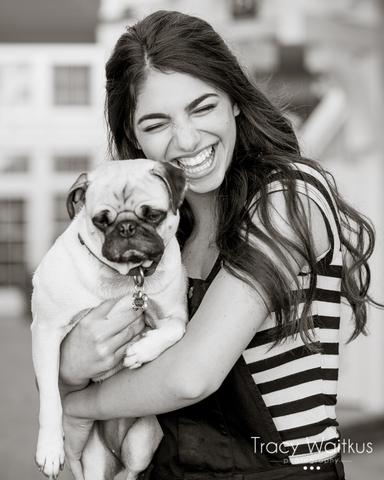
19, 412
18, 403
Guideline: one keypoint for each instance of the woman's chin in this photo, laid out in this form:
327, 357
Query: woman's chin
206, 184
202, 187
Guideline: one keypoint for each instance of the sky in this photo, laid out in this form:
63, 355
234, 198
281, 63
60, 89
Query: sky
49, 21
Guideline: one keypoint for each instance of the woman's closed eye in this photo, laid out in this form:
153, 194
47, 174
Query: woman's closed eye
204, 109
154, 127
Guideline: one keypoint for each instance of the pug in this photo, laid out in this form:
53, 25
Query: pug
120, 244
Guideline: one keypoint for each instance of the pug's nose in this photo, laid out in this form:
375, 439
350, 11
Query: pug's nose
127, 229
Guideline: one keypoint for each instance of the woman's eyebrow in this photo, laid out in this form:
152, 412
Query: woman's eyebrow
198, 100
189, 107
151, 116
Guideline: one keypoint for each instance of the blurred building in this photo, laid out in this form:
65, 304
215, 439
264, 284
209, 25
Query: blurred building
51, 129
321, 58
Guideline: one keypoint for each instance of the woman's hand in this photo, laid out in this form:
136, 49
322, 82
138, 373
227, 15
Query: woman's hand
98, 342
76, 433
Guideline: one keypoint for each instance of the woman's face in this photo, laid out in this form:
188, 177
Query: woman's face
185, 121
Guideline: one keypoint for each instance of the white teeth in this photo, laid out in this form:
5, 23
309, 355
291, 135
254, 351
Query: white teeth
206, 159
147, 263
197, 160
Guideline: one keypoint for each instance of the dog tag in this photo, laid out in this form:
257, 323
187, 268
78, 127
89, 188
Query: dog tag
140, 300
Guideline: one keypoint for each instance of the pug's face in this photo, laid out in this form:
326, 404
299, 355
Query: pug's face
131, 210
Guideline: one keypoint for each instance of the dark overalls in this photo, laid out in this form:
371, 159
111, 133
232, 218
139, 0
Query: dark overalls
226, 435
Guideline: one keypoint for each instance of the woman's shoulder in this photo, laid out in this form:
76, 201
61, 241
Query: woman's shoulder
293, 192
301, 178
309, 172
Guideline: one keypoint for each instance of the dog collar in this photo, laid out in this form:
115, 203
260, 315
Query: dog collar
94, 255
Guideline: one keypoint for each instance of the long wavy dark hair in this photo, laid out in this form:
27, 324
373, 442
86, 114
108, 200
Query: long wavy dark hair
172, 41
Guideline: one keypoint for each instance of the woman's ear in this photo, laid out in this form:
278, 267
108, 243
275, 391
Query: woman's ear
236, 110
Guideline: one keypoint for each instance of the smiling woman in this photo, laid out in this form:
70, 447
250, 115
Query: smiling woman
195, 127
269, 246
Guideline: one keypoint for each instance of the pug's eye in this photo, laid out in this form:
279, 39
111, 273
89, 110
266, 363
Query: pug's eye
153, 216
102, 219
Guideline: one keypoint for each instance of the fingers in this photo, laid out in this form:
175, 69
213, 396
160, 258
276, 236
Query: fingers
103, 309
111, 320
120, 322
126, 335
120, 353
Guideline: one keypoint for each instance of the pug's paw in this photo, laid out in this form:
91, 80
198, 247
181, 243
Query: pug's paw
142, 351
50, 452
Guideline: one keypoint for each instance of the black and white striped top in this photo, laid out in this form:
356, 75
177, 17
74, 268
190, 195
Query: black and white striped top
298, 386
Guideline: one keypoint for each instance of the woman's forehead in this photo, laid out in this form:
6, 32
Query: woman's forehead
162, 91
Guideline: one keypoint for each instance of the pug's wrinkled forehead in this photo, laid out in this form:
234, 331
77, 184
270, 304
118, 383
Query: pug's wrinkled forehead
123, 184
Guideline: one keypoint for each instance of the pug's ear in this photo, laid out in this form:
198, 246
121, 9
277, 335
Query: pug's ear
76, 195
175, 181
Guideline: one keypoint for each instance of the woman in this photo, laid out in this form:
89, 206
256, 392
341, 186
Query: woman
251, 387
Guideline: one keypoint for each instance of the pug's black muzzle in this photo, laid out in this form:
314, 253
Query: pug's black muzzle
133, 241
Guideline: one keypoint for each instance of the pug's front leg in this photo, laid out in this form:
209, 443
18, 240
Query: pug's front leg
153, 342
46, 342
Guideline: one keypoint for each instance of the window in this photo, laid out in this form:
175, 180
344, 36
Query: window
71, 85
71, 163
244, 9
18, 163
13, 270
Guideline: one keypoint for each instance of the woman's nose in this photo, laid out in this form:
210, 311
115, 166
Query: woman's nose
186, 137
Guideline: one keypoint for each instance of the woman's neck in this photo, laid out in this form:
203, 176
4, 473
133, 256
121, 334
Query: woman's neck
200, 250
203, 207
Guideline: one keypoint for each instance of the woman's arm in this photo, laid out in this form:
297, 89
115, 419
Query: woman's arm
227, 319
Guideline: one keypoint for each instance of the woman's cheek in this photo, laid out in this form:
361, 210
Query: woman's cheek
149, 149
157, 148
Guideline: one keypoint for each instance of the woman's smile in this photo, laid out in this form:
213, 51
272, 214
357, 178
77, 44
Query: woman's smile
198, 165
